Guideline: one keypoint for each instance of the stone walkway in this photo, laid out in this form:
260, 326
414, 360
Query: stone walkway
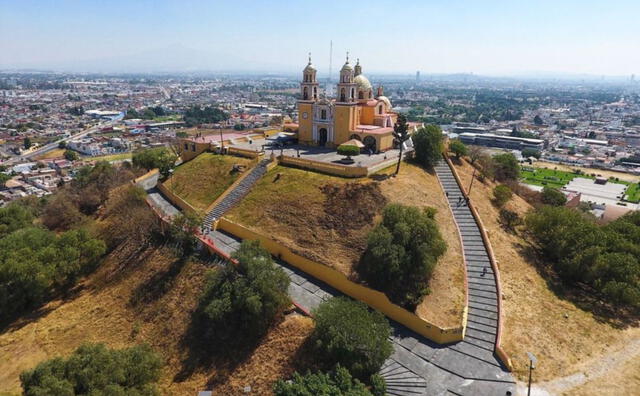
417, 367
239, 191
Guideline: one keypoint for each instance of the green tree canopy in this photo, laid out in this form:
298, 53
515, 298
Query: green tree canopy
196, 115
71, 155
348, 150
348, 333
501, 195
338, 382
93, 369
529, 152
458, 148
159, 157
506, 167
14, 217
402, 252
243, 301
553, 196
428, 145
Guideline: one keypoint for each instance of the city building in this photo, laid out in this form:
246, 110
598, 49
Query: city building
506, 142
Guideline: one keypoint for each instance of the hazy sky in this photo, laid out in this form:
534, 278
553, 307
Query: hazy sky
391, 36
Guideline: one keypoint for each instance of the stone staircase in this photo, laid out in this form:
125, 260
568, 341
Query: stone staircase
482, 320
238, 192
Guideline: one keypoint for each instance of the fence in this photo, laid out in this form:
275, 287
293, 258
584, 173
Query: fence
339, 281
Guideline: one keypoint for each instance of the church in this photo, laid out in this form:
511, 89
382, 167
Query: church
355, 113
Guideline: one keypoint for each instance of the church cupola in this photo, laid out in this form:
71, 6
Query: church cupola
358, 69
346, 87
309, 84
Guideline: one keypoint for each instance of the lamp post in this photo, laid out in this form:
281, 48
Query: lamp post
532, 365
473, 176
221, 142
171, 178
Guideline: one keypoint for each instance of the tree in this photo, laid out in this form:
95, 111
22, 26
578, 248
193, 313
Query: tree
4, 178
208, 115
501, 195
402, 252
71, 155
159, 157
428, 145
338, 382
553, 196
475, 153
537, 120
509, 219
14, 217
240, 303
529, 152
181, 233
458, 148
26, 143
400, 134
347, 333
506, 167
348, 150
93, 369
238, 127
62, 144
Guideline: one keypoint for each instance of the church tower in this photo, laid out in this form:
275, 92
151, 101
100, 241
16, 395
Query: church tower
308, 96
346, 104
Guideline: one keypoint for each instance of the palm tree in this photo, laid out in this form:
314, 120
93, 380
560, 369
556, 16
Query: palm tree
401, 133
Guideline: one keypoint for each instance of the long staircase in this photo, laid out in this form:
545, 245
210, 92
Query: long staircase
240, 190
482, 320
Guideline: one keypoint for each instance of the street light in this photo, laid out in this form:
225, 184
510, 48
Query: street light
532, 365
171, 178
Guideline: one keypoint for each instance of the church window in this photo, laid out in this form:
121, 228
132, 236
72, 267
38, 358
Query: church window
315, 93
323, 114
342, 95
305, 94
353, 93
360, 95
186, 146
380, 109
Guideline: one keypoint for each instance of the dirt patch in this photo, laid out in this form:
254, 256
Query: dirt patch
561, 334
351, 206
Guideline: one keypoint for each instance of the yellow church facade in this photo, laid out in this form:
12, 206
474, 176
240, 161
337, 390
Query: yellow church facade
355, 113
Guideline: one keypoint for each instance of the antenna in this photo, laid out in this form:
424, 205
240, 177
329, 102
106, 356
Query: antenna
330, 59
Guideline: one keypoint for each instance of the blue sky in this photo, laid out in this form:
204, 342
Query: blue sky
483, 37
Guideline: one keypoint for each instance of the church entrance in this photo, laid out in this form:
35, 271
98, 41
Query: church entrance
322, 137
370, 143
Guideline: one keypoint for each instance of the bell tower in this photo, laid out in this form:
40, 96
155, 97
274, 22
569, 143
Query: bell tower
308, 96
346, 104
346, 86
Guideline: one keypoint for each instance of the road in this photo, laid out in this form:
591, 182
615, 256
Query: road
54, 145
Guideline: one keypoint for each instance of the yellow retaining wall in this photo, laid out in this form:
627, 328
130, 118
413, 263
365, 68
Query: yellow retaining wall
176, 200
243, 152
232, 186
323, 167
339, 281
147, 175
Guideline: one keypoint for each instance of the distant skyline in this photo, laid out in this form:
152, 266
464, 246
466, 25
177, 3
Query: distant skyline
494, 38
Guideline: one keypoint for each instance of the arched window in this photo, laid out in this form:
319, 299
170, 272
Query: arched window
353, 93
323, 114
380, 109
360, 95
370, 94
305, 93
342, 95
315, 93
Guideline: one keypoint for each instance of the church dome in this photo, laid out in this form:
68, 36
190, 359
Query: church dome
386, 101
362, 82
346, 67
309, 68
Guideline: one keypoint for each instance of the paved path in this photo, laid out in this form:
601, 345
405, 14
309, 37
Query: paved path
239, 191
417, 367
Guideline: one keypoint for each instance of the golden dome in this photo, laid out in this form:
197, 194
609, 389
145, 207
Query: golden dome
309, 67
362, 82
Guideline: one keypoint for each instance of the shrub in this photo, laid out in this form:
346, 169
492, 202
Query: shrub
348, 150
506, 167
529, 152
552, 196
243, 301
401, 253
94, 369
14, 217
348, 333
181, 233
428, 145
159, 157
509, 219
501, 195
61, 213
71, 155
338, 382
458, 148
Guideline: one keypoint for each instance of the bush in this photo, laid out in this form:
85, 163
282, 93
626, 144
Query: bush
509, 219
159, 157
506, 167
243, 301
339, 382
61, 213
181, 233
348, 150
458, 148
552, 196
428, 145
71, 155
529, 152
501, 195
94, 369
14, 217
604, 257
401, 253
35, 262
348, 333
